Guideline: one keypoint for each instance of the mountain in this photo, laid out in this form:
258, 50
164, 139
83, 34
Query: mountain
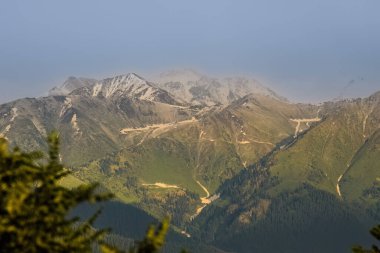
234, 165
321, 184
195, 156
199, 89
132, 86
89, 118
72, 83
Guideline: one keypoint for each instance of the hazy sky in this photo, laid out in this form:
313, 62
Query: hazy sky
303, 49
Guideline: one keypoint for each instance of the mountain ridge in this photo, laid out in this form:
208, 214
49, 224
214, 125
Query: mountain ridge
201, 89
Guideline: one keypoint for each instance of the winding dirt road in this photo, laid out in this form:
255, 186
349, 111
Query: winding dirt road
163, 185
204, 200
158, 126
337, 186
299, 121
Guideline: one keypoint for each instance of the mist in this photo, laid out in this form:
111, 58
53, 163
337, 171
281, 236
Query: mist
306, 51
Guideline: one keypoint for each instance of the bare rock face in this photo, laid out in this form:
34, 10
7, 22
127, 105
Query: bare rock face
122, 86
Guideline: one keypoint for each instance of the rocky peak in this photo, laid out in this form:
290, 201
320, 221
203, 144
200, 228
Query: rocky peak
130, 84
72, 83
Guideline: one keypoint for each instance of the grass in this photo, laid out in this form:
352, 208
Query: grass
71, 181
169, 168
322, 155
364, 169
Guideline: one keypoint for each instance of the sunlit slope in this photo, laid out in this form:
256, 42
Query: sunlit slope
362, 179
323, 183
324, 154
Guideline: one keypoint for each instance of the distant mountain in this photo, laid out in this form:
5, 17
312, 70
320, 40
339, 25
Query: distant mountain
199, 89
130, 85
72, 83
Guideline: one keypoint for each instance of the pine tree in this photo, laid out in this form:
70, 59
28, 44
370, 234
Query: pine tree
34, 207
152, 243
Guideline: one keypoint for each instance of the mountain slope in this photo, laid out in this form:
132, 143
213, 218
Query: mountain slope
362, 178
89, 119
195, 156
296, 194
326, 152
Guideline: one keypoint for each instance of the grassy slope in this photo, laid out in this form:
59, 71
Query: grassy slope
213, 149
241, 220
322, 155
210, 150
364, 171
70, 181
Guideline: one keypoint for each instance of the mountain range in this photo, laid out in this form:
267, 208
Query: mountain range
235, 165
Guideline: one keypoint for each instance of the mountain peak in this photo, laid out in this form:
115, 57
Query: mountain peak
198, 89
376, 95
72, 83
132, 86
127, 78
129, 83
134, 75
71, 78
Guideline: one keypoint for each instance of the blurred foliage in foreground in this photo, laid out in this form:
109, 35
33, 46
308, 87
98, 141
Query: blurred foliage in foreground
34, 207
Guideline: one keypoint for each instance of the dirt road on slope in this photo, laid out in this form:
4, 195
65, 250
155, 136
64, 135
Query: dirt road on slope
299, 121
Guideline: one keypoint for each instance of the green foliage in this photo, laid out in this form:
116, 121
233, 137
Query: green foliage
34, 206
152, 243
364, 169
153, 240
375, 249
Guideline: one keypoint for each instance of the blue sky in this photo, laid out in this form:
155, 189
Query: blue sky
305, 50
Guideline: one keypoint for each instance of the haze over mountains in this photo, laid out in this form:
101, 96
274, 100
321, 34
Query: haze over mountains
187, 85
233, 163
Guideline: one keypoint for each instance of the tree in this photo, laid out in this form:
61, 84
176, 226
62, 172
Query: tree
34, 207
152, 243
375, 249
